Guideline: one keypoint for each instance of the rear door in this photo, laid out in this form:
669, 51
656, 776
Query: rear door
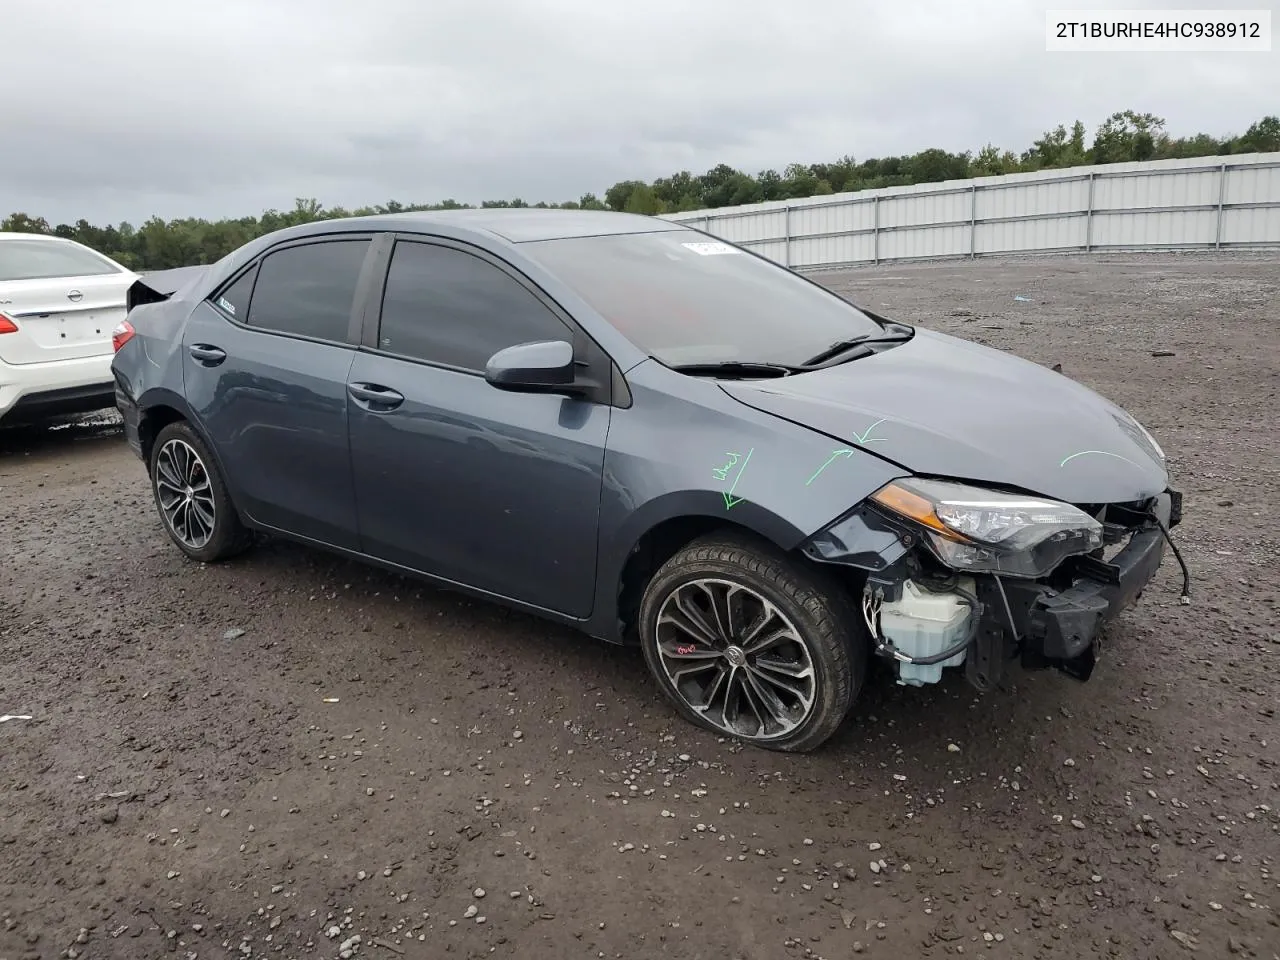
266, 366
63, 298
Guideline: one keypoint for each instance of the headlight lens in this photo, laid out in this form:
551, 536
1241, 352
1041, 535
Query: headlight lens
986, 531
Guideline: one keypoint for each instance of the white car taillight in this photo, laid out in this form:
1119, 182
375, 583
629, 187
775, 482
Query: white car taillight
121, 335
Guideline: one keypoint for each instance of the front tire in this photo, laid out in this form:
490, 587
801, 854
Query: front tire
752, 644
192, 497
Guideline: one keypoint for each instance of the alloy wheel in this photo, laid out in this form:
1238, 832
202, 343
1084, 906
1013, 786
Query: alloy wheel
735, 659
185, 494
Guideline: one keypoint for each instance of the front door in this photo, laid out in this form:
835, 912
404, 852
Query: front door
266, 370
494, 490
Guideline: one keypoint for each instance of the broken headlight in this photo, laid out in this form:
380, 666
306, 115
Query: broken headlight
986, 531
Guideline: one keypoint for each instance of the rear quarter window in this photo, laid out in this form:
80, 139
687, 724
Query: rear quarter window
234, 300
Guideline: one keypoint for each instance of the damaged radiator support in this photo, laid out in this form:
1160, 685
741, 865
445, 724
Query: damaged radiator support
925, 619
994, 643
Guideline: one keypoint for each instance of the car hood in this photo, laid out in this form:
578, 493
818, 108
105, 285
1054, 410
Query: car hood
942, 406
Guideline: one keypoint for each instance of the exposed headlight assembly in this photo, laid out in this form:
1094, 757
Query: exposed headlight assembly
985, 531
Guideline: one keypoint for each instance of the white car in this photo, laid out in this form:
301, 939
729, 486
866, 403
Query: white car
59, 303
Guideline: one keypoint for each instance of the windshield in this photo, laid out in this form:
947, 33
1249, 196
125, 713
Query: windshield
37, 259
684, 298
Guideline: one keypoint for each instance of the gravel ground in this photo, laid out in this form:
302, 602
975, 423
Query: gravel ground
295, 756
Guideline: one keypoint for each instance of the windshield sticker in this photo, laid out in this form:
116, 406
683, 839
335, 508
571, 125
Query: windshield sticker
225, 305
713, 248
722, 474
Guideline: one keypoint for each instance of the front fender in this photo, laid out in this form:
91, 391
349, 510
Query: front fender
716, 460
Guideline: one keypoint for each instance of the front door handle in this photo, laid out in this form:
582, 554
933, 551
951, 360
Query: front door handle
374, 396
207, 354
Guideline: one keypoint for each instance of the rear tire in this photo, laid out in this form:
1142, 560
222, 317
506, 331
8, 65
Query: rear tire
192, 498
752, 644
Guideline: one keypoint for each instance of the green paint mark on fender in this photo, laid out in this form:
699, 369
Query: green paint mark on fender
722, 474
830, 460
865, 437
862, 439
1100, 453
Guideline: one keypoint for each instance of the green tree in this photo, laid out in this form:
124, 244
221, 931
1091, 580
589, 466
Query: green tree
618, 195
991, 161
643, 199
1262, 137
1057, 148
1128, 136
22, 223
771, 186
934, 166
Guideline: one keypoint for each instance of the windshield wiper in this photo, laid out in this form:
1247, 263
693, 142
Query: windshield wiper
736, 368
855, 348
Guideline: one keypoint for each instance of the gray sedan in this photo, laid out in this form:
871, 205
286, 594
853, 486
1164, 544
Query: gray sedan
624, 424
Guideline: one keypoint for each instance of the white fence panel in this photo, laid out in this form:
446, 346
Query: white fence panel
1205, 202
1250, 226
832, 218
837, 248
1155, 229
1027, 235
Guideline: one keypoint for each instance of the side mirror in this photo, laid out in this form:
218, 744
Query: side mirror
545, 366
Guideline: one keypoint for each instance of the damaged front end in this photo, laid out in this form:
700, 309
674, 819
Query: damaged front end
957, 575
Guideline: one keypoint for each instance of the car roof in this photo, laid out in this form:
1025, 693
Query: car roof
513, 224
487, 226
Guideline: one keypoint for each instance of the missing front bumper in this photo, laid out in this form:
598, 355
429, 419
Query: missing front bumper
1062, 627
1056, 622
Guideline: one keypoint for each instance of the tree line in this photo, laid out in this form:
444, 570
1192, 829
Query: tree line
1125, 136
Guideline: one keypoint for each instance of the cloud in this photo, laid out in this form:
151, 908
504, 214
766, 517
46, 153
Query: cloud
222, 109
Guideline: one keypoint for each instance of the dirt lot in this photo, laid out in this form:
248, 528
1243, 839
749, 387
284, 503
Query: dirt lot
275, 757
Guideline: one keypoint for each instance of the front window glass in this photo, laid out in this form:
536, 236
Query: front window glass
447, 306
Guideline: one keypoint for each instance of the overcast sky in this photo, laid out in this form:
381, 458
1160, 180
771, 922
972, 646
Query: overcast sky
118, 110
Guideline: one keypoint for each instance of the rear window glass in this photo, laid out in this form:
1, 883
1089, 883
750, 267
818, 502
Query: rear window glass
37, 259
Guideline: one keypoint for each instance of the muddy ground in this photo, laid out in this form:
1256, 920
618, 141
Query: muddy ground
274, 757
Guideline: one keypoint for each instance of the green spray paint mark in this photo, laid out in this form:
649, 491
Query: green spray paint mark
722, 474
862, 439
830, 460
865, 437
1101, 453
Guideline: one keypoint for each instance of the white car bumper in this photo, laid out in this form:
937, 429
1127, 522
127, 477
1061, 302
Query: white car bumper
36, 390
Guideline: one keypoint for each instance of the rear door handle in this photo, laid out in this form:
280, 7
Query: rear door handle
374, 396
208, 355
